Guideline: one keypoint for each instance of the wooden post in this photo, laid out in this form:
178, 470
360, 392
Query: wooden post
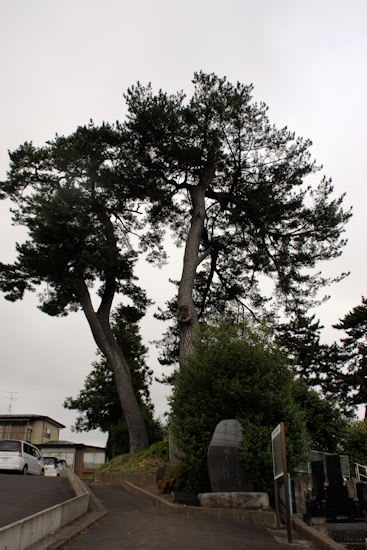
276, 498
286, 492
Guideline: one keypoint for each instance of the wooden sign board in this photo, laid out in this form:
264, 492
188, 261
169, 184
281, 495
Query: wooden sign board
280, 470
276, 444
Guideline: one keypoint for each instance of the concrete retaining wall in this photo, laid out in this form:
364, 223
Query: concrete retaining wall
264, 518
118, 478
249, 516
28, 531
323, 541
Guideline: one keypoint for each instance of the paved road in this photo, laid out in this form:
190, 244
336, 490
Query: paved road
132, 525
22, 496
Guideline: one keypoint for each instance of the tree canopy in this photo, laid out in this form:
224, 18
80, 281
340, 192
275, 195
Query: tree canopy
74, 200
234, 190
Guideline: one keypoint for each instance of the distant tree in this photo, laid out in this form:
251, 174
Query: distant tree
75, 200
233, 190
325, 422
98, 402
300, 337
350, 379
355, 442
317, 364
338, 369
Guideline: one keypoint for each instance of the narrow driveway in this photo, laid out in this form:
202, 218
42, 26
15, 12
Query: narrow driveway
132, 525
22, 496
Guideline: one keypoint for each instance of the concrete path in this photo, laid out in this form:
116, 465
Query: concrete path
132, 525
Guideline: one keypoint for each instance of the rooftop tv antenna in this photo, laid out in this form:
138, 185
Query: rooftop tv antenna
11, 399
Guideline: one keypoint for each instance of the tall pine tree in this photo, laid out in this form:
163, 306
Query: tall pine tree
75, 201
233, 189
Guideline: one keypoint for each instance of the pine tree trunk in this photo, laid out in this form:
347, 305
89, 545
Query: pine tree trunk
103, 336
186, 313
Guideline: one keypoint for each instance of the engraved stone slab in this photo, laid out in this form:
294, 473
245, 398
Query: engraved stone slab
226, 472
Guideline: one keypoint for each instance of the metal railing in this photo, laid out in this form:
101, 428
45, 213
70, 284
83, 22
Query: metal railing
361, 472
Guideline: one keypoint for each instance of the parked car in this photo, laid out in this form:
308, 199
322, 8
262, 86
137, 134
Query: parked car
20, 456
54, 466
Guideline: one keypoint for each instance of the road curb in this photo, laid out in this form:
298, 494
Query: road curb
266, 519
254, 517
322, 540
56, 540
97, 511
32, 530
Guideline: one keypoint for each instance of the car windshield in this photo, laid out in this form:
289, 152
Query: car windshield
49, 460
9, 446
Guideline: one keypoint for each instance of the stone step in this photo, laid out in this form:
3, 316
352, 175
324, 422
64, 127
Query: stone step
348, 532
355, 545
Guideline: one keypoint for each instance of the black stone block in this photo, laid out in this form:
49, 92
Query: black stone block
190, 499
318, 479
337, 502
334, 470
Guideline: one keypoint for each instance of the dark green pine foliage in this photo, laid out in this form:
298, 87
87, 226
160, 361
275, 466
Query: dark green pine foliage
355, 443
350, 379
300, 338
313, 361
238, 193
98, 402
325, 422
74, 199
316, 365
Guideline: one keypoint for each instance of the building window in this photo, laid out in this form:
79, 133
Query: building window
46, 433
5, 431
14, 430
93, 460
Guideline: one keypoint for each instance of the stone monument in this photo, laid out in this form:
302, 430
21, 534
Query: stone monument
336, 492
230, 483
226, 472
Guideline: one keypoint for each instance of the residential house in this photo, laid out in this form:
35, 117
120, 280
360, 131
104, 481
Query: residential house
34, 428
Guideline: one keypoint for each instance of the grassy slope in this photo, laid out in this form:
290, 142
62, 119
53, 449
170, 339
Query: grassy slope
143, 462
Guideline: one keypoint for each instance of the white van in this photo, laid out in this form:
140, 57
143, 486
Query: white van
20, 456
55, 467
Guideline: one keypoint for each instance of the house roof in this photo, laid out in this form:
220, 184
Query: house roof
72, 444
24, 417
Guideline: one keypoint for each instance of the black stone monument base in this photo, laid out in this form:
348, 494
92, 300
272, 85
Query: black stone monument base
337, 502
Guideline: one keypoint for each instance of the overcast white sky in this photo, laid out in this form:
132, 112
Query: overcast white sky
64, 62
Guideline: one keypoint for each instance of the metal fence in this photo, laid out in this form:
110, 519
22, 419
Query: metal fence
305, 467
360, 471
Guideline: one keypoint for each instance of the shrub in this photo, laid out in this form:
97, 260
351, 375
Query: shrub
355, 442
236, 372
